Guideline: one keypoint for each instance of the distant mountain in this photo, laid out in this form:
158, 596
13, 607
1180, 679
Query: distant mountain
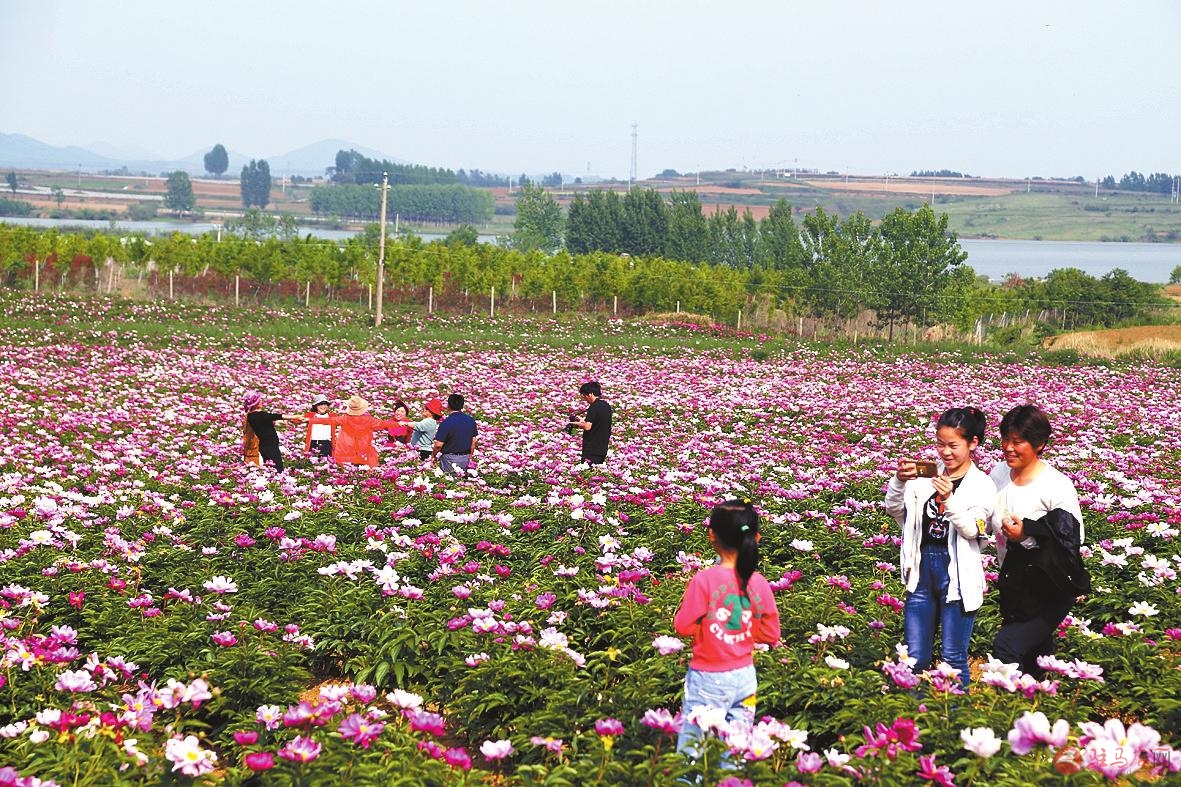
22, 152
124, 152
17, 150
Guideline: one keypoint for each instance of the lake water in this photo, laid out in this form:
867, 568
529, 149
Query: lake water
1148, 262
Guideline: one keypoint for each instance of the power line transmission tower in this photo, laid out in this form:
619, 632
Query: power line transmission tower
635, 136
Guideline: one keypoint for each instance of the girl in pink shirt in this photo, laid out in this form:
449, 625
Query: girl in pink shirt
726, 608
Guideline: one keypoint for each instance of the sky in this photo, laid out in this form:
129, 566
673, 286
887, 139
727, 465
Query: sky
993, 88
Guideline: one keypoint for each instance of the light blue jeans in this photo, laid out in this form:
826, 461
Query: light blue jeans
928, 607
733, 691
454, 464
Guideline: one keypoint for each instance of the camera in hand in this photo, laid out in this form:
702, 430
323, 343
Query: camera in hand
572, 427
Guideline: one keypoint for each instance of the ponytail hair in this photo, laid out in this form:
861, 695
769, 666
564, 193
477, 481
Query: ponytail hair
736, 527
968, 421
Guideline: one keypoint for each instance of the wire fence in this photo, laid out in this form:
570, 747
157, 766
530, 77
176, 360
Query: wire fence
764, 309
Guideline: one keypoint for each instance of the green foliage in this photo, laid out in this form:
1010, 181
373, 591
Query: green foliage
353, 167
466, 235
256, 184
539, 223
451, 203
141, 211
180, 192
217, 160
15, 207
1175, 275
11, 179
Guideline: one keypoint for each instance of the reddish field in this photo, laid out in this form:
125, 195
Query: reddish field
909, 186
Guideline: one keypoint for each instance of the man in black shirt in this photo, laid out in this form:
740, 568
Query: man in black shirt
596, 424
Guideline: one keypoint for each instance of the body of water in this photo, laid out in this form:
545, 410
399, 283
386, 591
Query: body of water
1149, 262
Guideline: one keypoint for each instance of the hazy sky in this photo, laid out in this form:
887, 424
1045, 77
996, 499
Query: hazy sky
1084, 87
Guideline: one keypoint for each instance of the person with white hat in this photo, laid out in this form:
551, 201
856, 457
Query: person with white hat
353, 443
318, 439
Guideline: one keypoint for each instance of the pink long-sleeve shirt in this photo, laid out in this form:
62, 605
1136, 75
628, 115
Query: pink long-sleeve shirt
724, 624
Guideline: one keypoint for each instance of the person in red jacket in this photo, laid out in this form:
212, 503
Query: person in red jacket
318, 439
402, 416
353, 443
727, 608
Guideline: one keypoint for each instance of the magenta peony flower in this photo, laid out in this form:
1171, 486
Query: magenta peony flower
259, 760
458, 758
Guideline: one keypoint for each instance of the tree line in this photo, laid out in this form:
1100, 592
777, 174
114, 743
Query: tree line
450, 203
1156, 183
354, 167
904, 272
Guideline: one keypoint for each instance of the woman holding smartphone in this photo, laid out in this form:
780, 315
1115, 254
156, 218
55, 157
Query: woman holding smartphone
943, 512
1040, 526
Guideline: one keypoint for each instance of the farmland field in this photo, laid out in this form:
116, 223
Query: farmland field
170, 615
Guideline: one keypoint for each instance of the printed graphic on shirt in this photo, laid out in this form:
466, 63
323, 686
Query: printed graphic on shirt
731, 616
938, 524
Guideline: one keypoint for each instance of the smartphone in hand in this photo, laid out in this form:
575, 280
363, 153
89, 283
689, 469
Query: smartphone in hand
925, 469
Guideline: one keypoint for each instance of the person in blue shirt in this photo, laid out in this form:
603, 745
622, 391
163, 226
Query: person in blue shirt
455, 441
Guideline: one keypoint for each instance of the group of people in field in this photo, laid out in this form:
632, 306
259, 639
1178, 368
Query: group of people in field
946, 511
450, 435
348, 437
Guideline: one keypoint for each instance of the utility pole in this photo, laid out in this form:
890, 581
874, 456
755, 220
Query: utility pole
385, 182
635, 135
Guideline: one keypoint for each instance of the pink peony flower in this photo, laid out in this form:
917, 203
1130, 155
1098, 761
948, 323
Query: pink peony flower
300, 749
259, 760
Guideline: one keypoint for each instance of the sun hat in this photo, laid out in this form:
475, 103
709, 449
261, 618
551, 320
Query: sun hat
250, 400
321, 399
434, 407
356, 406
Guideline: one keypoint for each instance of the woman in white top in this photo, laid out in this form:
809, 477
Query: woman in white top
943, 520
1040, 529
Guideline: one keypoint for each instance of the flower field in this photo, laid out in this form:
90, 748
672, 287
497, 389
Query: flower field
170, 615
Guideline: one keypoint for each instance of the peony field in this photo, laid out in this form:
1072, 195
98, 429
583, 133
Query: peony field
171, 615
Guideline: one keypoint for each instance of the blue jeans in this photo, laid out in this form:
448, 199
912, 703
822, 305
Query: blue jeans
733, 691
927, 607
454, 464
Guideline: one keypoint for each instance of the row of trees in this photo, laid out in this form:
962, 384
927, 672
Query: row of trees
1156, 183
450, 203
854, 269
354, 167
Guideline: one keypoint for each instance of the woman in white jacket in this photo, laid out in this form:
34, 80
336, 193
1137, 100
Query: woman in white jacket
943, 520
